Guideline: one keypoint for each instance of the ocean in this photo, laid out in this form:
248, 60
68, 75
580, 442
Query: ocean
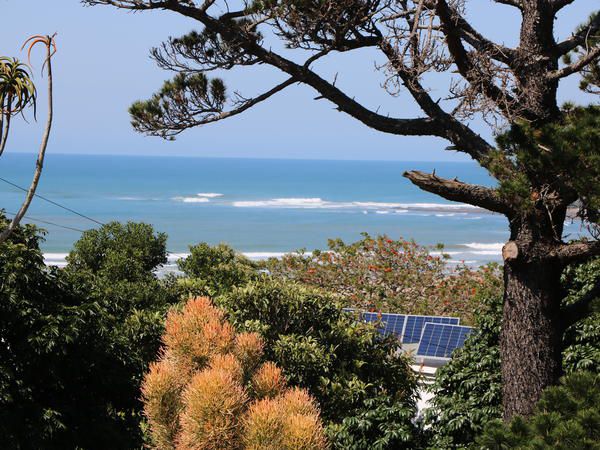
261, 207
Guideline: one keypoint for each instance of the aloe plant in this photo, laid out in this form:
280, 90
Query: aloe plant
18, 92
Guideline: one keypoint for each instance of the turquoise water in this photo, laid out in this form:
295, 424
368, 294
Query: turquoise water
261, 207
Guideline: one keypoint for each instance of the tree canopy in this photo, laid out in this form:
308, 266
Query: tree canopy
512, 88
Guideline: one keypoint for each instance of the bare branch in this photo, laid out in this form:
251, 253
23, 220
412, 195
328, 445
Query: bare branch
480, 43
132, 5
468, 69
577, 251
399, 126
458, 191
590, 57
463, 137
580, 37
557, 5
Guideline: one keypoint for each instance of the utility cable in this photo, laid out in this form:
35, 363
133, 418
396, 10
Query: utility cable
54, 203
33, 219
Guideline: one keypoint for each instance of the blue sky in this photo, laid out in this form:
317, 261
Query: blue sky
102, 66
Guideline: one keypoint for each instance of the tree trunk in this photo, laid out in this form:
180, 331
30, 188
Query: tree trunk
531, 333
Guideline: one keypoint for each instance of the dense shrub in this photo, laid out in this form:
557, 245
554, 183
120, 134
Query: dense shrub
363, 385
211, 390
120, 251
216, 269
76, 342
582, 340
391, 276
468, 389
567, 417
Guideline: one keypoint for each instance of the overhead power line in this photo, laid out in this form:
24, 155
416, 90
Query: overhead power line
66, 208
47, 222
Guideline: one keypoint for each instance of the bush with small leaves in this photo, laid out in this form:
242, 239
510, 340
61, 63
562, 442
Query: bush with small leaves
211, 389
248, 349
161, 391
342, 363
76, 342
216, 269
212, 404
197, 333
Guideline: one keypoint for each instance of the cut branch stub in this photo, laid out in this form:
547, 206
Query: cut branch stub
510, 251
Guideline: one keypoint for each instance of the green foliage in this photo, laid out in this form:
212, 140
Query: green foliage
17, 90
216, 269
468, 388
590, 74
391, 276
205, 98
364, 387
468, 391
37, 322
562, 156
582, 350
76, 342
122, 251
379, 424
567, 417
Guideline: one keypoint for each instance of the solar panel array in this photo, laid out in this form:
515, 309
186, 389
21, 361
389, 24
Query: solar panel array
440, 340
437, 336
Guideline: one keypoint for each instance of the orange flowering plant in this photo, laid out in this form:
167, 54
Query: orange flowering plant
211, 389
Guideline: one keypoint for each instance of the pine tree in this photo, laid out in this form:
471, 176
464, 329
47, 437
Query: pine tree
420, 40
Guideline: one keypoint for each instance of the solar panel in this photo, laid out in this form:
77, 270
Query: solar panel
440, 340
387, 323
414, 326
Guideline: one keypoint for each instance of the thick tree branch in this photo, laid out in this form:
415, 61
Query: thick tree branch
575, 312
577, 251
439, 124
407, 127
133, 5
480, 43
557, 5
515, 3
458, 191
580, 38
463, 137
590, 57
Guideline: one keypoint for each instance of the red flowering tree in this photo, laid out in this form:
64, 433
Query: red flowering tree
391, 276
